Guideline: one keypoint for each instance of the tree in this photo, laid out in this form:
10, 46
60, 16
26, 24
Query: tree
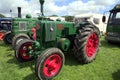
54, 15
69, 18
2, 16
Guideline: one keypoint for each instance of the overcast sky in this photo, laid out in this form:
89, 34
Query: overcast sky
57, 7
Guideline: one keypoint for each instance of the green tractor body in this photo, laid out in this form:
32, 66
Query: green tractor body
22, 25
54, 38
51, 33
113, 25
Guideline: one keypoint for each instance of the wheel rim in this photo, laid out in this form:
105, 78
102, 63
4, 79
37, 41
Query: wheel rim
92, 45
52, 65
1, 35
24, 50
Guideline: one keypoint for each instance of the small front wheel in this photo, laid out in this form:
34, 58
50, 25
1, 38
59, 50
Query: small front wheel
49, 63
21, 51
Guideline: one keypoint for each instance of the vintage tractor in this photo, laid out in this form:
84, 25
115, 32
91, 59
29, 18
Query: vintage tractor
21, 29
5, 26
54, 38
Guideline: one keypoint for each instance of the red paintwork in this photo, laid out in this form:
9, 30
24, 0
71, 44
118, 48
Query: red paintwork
2, 35
60, 26
92, 45
52, 65
34, 33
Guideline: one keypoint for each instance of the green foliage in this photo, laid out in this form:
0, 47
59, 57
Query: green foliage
105, 67
54, 15
2, 16
69, 18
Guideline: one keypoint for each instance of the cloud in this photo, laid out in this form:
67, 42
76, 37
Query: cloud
27, 7
105, 2
71, 7
92, 6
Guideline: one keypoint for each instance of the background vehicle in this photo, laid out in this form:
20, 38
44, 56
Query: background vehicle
54, 38
5, 25
113, 26
21, 29
95, 19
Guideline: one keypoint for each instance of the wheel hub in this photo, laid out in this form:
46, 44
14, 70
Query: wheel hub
52, 65
24, 50
24, 54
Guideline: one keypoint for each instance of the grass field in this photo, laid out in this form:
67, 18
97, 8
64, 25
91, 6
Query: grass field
105, 67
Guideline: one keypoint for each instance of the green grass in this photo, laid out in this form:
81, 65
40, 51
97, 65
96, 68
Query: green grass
105, 67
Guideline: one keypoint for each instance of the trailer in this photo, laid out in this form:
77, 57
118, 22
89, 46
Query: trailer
95, 19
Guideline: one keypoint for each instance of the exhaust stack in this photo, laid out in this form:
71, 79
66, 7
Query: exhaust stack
19, 12
41, 3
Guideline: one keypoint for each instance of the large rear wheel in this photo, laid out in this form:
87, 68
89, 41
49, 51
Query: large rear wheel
49, 63
17, 38
87, 43
21, 51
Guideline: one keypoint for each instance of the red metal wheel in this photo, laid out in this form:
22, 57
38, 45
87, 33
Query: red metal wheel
49, 63
2, 33
24, 49
52, 65
92, 44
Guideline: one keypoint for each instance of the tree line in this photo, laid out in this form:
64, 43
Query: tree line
67, 17
2, 16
